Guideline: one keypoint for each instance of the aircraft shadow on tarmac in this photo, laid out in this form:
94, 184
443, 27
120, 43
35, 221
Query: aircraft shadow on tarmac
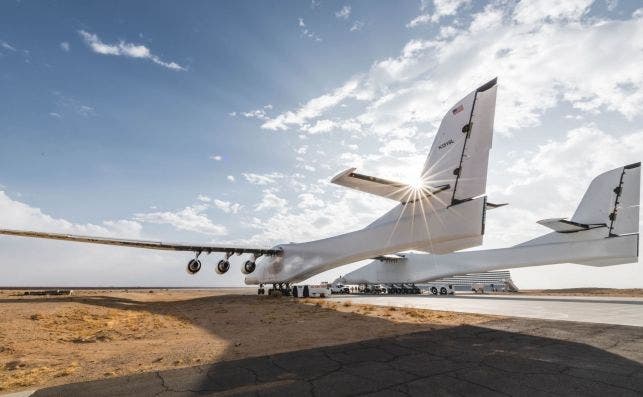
508, 356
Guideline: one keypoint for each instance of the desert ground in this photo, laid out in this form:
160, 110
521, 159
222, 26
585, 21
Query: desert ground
97, 334
624, 292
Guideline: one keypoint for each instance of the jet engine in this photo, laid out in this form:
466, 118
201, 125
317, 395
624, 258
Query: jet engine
223, 266
194, 266
248, 267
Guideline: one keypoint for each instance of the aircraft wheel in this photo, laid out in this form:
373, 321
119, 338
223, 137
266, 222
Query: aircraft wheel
434, 290
443, 291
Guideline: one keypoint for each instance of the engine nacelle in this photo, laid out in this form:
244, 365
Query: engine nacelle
194, 266
248, 267
223, 266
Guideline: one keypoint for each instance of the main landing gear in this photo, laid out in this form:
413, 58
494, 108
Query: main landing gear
278, 289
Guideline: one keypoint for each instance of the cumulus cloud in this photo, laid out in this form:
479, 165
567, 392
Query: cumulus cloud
357, 26
191, 218
227, 206
271, 201
125, 49
18, 215
442, 8
65, 46
306, 32
343, 13
428, 75
263, 179
313, 108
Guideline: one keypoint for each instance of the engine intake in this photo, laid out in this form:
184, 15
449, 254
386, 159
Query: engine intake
223, 266
248, 267
194, 266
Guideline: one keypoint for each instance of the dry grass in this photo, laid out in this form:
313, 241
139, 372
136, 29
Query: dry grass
98, 334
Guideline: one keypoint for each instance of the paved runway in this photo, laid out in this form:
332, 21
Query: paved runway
606, 310
504, 357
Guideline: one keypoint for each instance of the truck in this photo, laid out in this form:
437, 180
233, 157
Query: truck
339, 289
442, 289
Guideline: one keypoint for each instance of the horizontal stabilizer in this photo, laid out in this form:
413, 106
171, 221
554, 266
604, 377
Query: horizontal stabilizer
562, 225
393, 190
490, 206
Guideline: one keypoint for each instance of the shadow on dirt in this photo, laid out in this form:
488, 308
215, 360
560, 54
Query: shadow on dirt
463, 360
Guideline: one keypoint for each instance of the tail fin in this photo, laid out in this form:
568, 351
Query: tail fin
460, 151
613, 199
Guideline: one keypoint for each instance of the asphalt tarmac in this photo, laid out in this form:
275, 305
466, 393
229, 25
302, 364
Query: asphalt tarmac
606, 310
503, 357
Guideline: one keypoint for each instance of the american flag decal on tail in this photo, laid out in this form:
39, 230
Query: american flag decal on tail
458, 109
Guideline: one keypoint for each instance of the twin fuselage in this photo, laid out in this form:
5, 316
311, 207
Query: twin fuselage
414, 225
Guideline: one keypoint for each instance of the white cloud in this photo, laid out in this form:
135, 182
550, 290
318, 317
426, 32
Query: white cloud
308, 200
56, 115
344, 13
442, 8
190, 218
203, 198
357, 26
230, 178
227, 206
263, 179
18, 215
65, 46
552, 10
125, 49
271, 201
256, 114
429, 75
216, 157
312, 108
7, 46
306, 32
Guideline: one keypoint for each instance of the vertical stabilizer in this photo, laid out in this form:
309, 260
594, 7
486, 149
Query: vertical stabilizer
613, 199
460, 151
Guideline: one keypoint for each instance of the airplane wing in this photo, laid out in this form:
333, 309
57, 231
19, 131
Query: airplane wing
393, 190
157, 245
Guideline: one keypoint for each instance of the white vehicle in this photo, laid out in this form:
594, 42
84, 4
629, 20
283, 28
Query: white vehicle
441, 289
602, 232
339, 289
478, 288
443, 212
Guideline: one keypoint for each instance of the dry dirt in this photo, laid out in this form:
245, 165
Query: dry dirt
631, 292
49, 340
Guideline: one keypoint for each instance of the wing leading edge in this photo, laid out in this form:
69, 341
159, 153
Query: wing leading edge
393, 190
157, 245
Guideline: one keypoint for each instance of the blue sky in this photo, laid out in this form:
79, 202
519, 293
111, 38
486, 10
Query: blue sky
223, 121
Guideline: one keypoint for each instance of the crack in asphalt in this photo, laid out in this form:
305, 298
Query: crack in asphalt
522, 351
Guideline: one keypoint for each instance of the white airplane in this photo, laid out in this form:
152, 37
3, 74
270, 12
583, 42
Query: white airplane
443, 213
602, 232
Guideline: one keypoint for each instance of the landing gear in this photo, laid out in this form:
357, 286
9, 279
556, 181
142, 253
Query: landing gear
434, 290
278, 289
